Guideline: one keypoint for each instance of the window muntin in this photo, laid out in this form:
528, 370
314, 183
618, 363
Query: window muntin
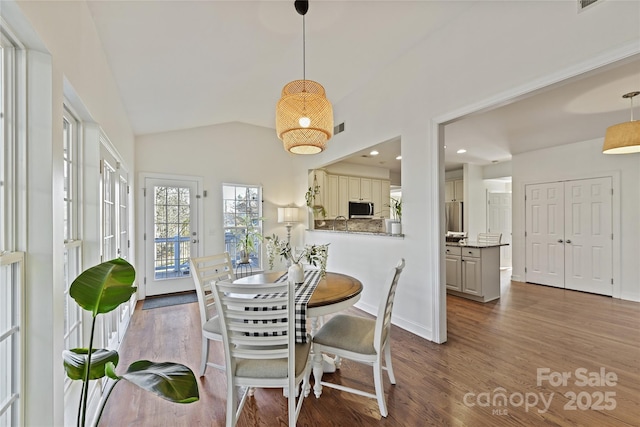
11, 262
242, 210
72, 325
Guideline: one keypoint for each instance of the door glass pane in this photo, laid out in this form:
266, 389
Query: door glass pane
172, 239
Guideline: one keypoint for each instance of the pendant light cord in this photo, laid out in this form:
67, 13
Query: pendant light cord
304, 53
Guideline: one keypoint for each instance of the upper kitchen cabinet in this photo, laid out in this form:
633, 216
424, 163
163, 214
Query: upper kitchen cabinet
337, 196
454, 191
338, 190
359, 189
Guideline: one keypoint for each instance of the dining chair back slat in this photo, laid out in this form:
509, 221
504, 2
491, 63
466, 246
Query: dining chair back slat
489, 238
205, 271
362, 340
258, 332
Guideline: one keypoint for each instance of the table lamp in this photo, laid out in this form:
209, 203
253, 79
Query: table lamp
288, 216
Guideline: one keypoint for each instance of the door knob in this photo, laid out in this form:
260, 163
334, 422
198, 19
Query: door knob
559, 240
568, 241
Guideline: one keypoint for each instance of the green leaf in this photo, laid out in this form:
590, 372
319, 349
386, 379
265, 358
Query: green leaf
102, 288
171, 381
110, 370
75, 362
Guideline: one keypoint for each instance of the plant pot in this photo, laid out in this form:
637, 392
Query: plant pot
244, 257
296, 273
387, 225
396, 228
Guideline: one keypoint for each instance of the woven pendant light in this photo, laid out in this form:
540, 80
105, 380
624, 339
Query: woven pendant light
623, 138
304, 115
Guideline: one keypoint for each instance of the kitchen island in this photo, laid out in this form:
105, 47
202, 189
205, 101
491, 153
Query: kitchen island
473, 270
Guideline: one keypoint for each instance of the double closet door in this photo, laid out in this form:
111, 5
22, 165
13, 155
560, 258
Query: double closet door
569, 239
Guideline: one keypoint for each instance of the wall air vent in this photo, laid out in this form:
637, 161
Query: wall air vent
338, 128
583, 4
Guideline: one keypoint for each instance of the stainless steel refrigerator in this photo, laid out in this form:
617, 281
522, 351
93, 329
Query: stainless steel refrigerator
453, 216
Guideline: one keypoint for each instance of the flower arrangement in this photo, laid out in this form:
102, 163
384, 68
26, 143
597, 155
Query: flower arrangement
315, 255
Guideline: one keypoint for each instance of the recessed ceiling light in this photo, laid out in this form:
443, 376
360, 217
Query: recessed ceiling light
461, 151
374, 153
399, 158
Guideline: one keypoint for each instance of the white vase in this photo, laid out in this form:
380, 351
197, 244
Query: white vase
396, 228
296, 273
387, 225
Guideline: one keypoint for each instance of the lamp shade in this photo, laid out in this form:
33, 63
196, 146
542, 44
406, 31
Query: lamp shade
304, 117
622, 138
287, 215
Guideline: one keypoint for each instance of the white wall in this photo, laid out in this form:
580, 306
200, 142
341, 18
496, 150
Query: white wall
576, 161
233, 153
352, 169
492, 53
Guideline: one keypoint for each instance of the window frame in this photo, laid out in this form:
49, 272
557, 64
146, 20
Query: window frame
233, 223
12, 269
73, 333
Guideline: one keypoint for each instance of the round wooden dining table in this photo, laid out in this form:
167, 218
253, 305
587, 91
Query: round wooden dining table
334, 292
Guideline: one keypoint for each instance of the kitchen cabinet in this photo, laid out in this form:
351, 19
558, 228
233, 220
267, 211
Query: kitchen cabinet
380, 196
454, 191
473, 272
338, 190
453, 262
332, 196
337, 196
359, 189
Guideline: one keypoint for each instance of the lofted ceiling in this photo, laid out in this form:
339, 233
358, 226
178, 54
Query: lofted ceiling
182, 64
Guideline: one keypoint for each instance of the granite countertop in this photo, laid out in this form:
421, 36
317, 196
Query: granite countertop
359, 226
476, 245
370, 233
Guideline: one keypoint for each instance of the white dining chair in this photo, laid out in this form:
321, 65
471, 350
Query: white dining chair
489, 238
206, 270
362, 340
260, 348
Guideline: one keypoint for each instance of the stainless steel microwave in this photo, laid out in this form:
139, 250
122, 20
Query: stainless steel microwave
361, 210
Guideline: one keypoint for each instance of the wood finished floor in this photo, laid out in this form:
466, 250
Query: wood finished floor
490, 346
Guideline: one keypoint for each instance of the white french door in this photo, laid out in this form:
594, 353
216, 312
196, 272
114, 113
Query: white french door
499, 221
171, 233
569, 234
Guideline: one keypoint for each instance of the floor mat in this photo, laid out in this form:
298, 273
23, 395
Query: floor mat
168, 300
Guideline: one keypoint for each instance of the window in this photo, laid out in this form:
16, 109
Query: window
7, 142
115, 233
11, 262
72, 241
242, 216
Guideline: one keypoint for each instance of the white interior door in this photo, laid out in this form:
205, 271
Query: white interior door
588, 238
171, 234
499, 221
569, 234
544, 225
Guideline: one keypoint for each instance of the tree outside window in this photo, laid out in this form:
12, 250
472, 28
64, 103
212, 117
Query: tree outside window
242, 216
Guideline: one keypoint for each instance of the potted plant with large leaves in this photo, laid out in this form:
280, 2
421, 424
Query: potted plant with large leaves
99, 290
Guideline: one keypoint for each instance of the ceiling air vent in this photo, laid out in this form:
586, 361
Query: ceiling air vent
338, 128
582, 4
